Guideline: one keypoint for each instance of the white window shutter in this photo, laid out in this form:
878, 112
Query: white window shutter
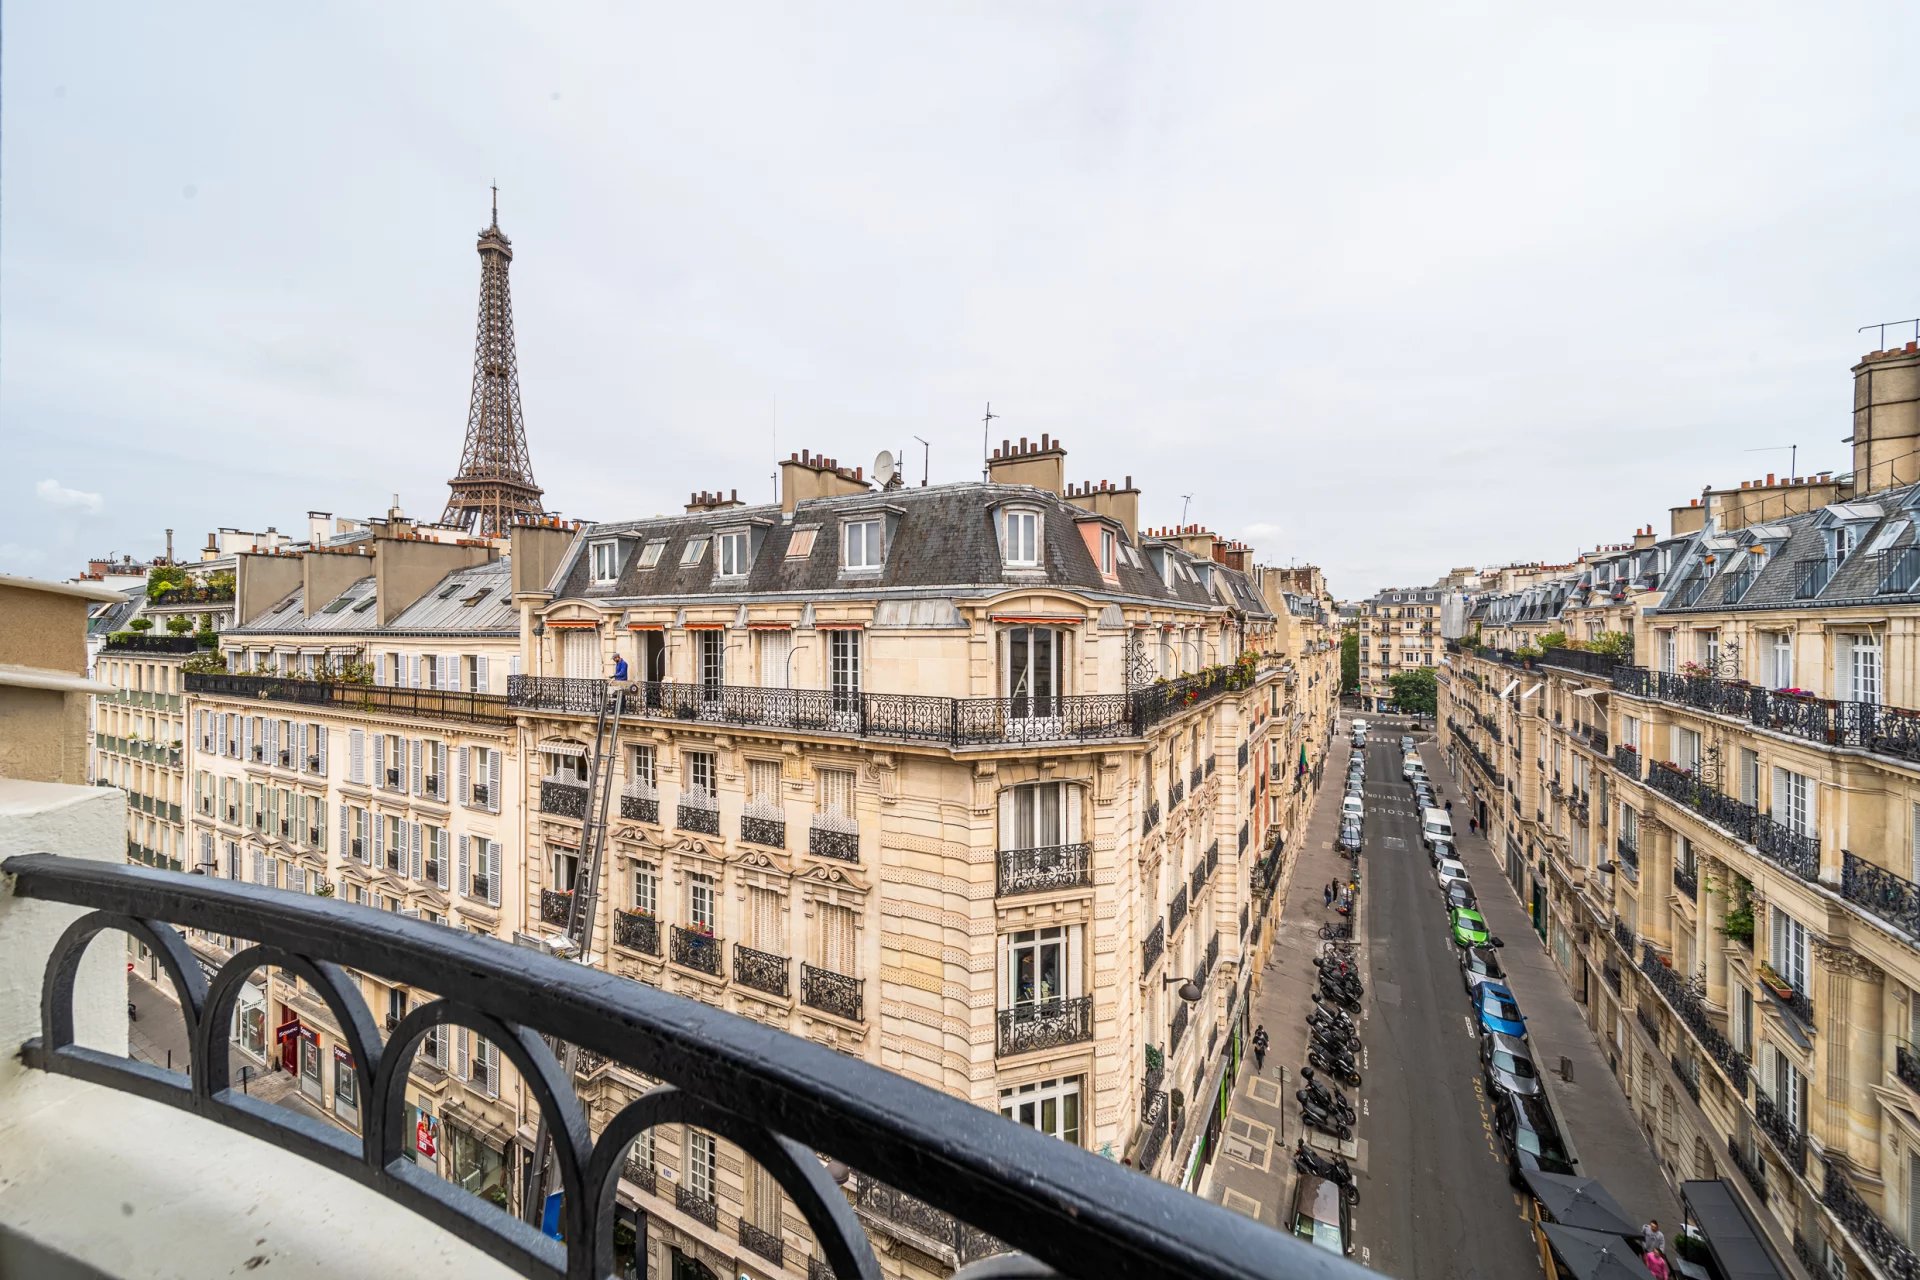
450, 672
345, 845
493, 780
465, 782
493, 872
379, 840
380, 668
418, 855
513, 665
466, 881
493, 1069
246, 737
379, 759
460, 1035
320, 745
319, 826
419, 750
480, 674
413, 671
440, 856
356, 755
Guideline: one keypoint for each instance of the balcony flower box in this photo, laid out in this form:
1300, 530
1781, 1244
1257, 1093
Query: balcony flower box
1807, 695
1774, 982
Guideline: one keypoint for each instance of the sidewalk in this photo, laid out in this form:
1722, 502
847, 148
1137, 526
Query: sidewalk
1253, 1173
1600, 1124
158, 1036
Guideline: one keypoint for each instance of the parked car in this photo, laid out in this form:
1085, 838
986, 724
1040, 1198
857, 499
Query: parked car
1507, 1064
1320, 1214
1530, 1135
1469, 927
1360, 726
1478, 965
1423, 796
1442, 851
1353, 807
1459, 895
1498, 1010
1406, 742
1349, 841
1447, 869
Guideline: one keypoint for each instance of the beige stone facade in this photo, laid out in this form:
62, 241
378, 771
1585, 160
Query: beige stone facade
1399, 631
1719, 834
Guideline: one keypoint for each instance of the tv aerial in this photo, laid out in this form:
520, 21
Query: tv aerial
885, 469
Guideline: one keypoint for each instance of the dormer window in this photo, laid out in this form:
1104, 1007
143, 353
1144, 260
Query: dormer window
650, 554
1109, 545
605, 561
735, 553
1020, 539
862, 545
800, 545
696, 550
1842, 542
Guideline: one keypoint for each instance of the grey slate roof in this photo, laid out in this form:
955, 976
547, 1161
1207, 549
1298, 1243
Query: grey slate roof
442, 611
938, 539
114, 617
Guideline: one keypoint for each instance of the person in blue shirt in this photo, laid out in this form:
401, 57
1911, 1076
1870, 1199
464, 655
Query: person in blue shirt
619, 667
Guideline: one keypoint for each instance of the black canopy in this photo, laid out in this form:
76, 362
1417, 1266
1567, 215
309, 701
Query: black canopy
1574, 1201
1738, 1245
1595, 1255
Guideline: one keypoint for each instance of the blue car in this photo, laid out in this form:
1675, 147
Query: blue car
1499, 1011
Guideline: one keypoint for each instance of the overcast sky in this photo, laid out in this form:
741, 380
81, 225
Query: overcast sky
1385, 288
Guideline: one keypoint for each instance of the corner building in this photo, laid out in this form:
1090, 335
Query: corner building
1713, 810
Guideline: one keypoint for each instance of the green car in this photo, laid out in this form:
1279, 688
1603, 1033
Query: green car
1469, 927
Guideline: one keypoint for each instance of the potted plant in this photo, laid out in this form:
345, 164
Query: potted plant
141, 625
179, 624
1773, 982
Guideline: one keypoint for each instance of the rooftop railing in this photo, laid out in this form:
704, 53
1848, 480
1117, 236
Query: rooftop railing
380, 699
955, 722
781, 1099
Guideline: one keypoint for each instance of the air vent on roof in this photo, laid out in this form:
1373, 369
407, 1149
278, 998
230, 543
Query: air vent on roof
337, 605
366, 604
450, 590
476, 597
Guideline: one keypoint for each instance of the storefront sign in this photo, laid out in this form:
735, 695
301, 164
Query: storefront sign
425, 1138
286, 1031
342, 1057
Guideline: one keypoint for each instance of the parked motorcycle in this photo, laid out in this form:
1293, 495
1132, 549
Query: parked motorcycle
1340, 1066
1321, 1118
1335, 994
1333, 1039
1334, 1169
1323, 1013
1332, 1100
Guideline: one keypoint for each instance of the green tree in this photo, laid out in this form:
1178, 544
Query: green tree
180, 624
1556, 640
140, 624
1415, 691
1614, 644
1350, 662
163, 578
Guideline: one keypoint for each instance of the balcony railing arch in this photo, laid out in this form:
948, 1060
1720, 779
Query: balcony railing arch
1067, 1207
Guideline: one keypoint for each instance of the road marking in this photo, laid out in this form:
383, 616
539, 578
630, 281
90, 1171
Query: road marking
1366, 1256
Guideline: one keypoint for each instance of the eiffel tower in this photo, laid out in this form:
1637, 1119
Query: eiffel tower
495, 487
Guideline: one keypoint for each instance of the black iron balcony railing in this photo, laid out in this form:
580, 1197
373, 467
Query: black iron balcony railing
771, 832
831, 992
1790, 1142
765, 1243
1072, 1209
1686, 881
1610, 970
555, 907
1154, 947
1685, 1067
761, 970
637, 930
1045, 1024
1864, 1225
1627, 761
932, 1230
1786, 848
1197, 880
911, 717
382, 700
1198, 775
1151, 818
1749, 1166
1060, 866
1692, 1012
1649, 1022
639, 803
1628, 851
1177, 910
696, 1205
1154, 1124
1734, 816
1898, 570
702, 817
563, 798
1893, 898
1869, 726
1176, 792
1815, 573
694, 949
1178, 1029
1906, 1065
833, 842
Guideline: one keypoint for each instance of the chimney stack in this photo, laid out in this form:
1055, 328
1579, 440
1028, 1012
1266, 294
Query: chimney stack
805, 476
1121, 505
1044, 466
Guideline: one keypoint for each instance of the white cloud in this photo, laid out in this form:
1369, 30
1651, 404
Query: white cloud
55, 494
13, 555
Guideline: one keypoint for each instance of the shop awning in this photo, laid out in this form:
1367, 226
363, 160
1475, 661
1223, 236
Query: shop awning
1579, 1202
561, 747
1733, 1237
1595, 1255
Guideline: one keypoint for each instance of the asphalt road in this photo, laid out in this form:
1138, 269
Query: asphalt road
1436, 1197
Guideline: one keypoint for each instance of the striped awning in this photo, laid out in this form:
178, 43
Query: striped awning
561, 747
572, 624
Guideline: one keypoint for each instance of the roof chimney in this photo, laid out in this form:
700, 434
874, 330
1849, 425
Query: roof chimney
1044, 466
805, 476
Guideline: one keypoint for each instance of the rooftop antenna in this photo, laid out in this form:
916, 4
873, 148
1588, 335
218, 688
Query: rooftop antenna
926, 457
1793, 454
1185, 498
496, 206
986, 427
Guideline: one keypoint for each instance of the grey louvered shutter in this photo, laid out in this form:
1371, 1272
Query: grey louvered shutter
466, 881
465, 780
493, 872
493, 780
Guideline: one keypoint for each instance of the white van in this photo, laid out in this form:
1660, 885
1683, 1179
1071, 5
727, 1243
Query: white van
1435, 825
1413, 767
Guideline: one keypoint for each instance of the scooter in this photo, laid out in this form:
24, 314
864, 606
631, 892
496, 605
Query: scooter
1334, 1169
1321, 1118
1332, 1016
1331, 1099
1337, 1065
1344, 999
1328, 1040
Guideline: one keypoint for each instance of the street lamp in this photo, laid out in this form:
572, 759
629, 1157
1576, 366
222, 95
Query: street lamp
1189, 989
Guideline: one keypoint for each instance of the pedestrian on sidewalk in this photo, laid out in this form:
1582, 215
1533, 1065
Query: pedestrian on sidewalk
1473, 826
1653, 1240
1657, 1266
1326, 895
1449, 806
1260, 1048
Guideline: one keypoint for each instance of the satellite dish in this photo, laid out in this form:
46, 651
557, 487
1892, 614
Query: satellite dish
885, 468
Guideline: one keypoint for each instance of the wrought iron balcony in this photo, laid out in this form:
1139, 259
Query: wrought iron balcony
556, 908
1153, 1136
771, 832
1177, 911
1906, 1065
640, 803
1082, 1214
637, 930
1154, 946
831, 992
1689, 1072
1628, 851
1198, 775
1060, 866
1869, 726
696, 1205
1197, 880
1865, 1226
1787, 848
1686, 882
765, 1243
1815, 573
1610, 970
1790, 1142
1627, 761
1733, 816
1650, 1022
1045, 1024
698, 816
833, 842
1893, 898
1749, 1166
563, 798
695, 950
382, 700
1176, 793
1692, 1012
761, 970
1178, 1029
1151, 818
